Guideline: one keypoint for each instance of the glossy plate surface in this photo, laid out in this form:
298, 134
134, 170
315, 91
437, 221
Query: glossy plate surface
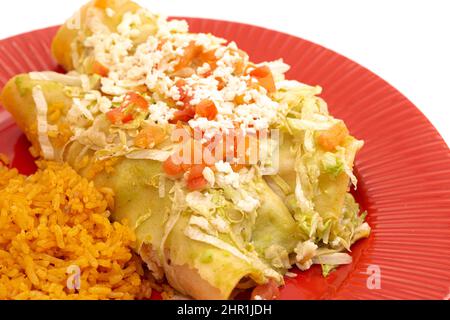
403, 170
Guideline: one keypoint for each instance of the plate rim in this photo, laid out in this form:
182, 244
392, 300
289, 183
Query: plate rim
426, 122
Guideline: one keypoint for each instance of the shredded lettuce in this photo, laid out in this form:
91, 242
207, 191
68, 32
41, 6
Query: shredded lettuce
142, 219
332, 164
327, 269
220, 224
278, 68
196, 234
69, 80
224, 214
304, 203
150, 154
333, 259
282, 184
42, 124
326, 213
82, 108
300, 124
162, 186
203, 224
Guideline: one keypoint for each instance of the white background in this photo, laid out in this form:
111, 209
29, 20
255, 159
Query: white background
406, 42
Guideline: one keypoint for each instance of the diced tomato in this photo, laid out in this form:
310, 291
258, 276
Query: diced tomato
134, 99
125, 113
184, 97
260, 72
100, 69
180, 83
237, 167
194, 56
172, 169
149, 137
268, 83
190, 52
101, 4
333, 137
221, 84
252, 85
206, 109
197, 184
206, 74
118, 115
268, 291
183, 115
127, 117
196, 171
238, 100
240, 65
264, 77
209, 57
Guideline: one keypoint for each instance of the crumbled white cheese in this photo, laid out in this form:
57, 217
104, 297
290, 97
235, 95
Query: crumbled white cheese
248, 204
160, 112
167, 28
209, 176
129, 21
305, 252
151, 63
94, 21
109, 87
232, 179
223, 167
174, 93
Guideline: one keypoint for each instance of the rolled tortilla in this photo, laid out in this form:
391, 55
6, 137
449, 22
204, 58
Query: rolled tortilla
68, 45
192, 266
330, 200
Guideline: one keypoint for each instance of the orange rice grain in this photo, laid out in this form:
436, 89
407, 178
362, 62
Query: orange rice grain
55, 233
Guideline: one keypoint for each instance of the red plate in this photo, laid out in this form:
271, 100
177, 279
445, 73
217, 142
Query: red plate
403, 170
